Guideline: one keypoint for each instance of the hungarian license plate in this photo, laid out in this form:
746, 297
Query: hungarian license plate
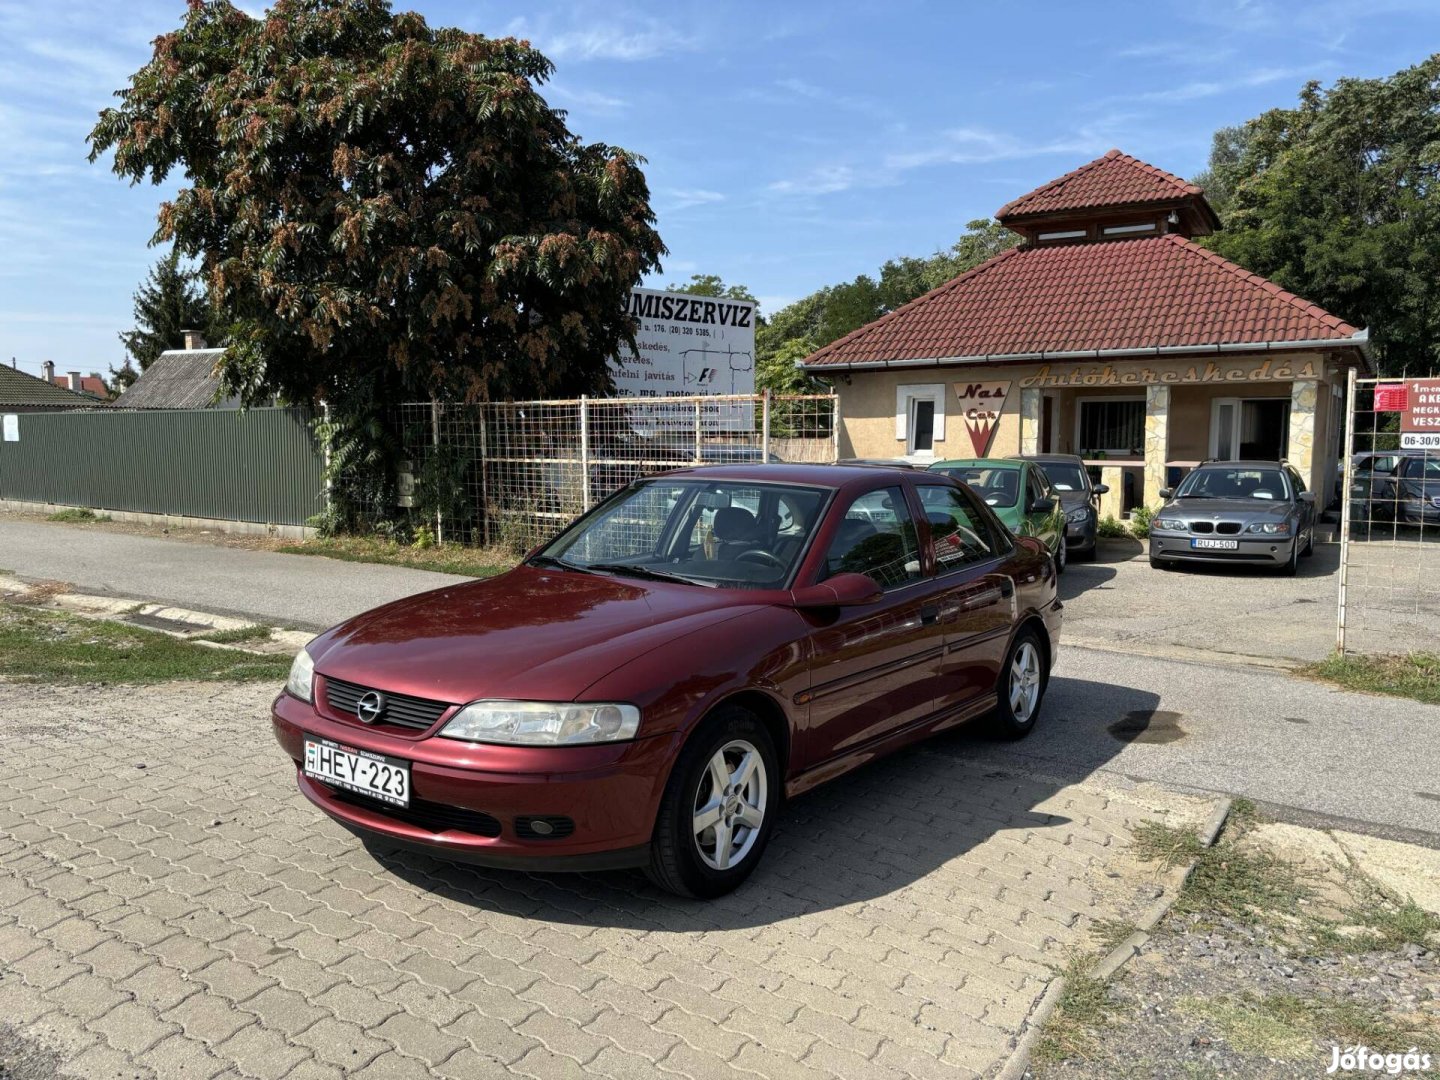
1205, 542
375, 775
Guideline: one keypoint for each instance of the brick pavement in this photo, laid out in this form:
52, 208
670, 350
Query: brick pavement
170, 906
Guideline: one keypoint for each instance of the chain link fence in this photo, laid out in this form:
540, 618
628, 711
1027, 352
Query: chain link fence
1389, 531
514, 474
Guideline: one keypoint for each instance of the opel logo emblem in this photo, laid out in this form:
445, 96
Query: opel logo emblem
370, 708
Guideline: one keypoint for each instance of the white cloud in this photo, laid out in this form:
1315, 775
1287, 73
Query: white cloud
1194, 91
588, 100
685, 198
822, 180
618, 39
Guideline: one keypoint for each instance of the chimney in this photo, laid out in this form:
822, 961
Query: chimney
75, 383
47, 371
194, 339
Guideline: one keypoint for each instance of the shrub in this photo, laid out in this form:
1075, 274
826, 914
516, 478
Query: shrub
1140, 521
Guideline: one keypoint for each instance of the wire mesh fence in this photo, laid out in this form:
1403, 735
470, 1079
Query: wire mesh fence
515, 473
1390, 526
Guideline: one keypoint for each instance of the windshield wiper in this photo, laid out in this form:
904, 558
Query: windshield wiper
632, 570
559, 564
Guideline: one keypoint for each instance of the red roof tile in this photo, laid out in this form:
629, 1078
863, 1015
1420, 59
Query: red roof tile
1160, 291
90, 384
1115, 179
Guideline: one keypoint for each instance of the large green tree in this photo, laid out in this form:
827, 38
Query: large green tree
386, 210
1336, 200
168, 302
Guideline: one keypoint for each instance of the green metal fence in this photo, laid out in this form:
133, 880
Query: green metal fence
261, 465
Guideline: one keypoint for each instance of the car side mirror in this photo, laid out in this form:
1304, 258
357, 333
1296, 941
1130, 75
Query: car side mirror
1165, 493
842, 590
1101, 489
1307, 496
1042, 506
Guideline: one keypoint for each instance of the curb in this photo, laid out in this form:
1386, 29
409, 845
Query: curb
1018, 1064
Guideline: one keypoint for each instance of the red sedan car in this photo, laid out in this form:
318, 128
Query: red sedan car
647, 688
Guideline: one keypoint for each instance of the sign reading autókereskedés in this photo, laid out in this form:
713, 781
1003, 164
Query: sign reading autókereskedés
689, 346
1420, 419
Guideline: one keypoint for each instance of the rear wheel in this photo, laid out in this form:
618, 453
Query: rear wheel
1021, 686
719, 807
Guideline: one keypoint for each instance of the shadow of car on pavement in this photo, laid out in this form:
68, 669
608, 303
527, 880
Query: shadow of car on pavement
867, 835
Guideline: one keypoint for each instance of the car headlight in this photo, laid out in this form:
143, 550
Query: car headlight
302, 676
1168, 524
542, 723
1274, 527
1077, 516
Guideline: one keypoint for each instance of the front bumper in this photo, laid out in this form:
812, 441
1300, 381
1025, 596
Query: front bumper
1415, 512
1080, 536
1259, 551
610, 792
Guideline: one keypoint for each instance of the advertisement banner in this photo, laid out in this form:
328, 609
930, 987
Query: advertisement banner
1420, 416
687, 346
981, 404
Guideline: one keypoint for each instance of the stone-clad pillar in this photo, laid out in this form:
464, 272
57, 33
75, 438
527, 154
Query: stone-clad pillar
1030, 406
1304, 396
1157, 441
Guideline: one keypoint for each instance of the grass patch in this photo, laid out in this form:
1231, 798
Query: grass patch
1286, 1027
1165, 844
1413, 675
1084, 1008
239, 636
1111, 932
76, 515
45, 646
443, 558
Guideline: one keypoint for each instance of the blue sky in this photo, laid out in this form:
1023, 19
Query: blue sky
791, 145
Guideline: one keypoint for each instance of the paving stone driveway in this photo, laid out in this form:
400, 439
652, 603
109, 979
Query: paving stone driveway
170, 906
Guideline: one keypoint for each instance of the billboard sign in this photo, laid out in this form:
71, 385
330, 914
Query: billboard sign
981, 404
689, 346
1420, 416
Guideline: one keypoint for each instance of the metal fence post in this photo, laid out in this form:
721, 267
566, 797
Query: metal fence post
1345, 510
697, 432
484, 465
765, 429
585, 452
435, 442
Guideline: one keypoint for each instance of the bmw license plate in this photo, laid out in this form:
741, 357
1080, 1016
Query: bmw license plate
375, 775
1206, 542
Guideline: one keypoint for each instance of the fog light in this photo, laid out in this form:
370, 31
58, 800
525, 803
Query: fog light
544, 828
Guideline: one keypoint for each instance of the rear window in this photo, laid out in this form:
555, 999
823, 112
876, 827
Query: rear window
998, 487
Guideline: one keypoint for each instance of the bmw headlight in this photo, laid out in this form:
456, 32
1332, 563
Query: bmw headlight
1281, 528
302, 676
543, 723
1168, 524
1078, 515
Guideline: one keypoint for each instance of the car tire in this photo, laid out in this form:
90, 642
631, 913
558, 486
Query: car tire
1062, 558
685, 859
1291, 565
1018, 706
1309, 543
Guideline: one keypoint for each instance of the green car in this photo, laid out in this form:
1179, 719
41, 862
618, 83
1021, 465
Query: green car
1019, 493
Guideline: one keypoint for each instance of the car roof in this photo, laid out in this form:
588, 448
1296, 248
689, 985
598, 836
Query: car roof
1245, 464
1074, 459
833, 476
979, 463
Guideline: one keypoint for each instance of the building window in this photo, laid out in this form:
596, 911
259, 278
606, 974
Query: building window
1065, 234
1114, 425
1122, 230
920, 418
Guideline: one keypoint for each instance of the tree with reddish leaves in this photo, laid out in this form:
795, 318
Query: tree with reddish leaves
384, 210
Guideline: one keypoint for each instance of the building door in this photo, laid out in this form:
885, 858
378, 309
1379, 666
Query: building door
1047, 424
1250, 429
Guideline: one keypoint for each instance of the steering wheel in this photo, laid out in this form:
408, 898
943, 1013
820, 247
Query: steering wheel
761, 556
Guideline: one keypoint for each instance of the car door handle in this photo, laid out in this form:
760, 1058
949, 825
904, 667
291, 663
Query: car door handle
929, 613
1007, 588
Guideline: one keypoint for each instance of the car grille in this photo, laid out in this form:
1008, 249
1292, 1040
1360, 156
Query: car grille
401, 710
1202, 526
433, 817
1229, 528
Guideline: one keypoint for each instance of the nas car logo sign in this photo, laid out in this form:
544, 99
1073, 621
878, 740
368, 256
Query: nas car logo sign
980, 407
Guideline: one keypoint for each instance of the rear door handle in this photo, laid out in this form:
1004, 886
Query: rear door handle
1007, 588
929, 613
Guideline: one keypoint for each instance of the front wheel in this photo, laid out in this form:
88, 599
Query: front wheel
718, 809
1021, 687
1061, 557
1291, 566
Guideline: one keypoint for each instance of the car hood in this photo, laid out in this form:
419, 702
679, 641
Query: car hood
528, 634
1420, 489
1249, 509
1071, 499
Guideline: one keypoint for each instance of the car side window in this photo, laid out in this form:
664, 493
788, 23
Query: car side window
1035, 485
1297, 481
877, 538
961, 534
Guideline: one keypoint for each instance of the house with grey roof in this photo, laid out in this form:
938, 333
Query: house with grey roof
180, 379
23, 392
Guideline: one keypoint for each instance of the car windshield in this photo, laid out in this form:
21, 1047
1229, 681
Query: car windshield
998, 487
737, 534
1066, 476
1221, 482
1420, 468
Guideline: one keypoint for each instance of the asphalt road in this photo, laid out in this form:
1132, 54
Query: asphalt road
1300, 746
302, 591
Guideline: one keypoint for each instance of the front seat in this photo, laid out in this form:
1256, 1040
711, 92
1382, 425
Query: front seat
736, 530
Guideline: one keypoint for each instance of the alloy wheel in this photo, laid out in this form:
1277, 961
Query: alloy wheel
1025, 681
730, 804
